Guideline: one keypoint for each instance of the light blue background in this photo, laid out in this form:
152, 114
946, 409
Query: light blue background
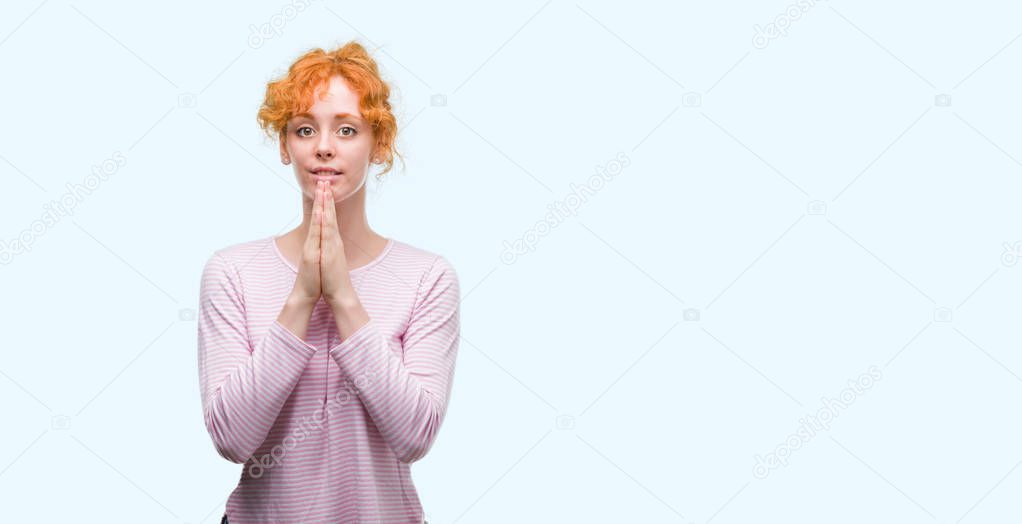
811, 200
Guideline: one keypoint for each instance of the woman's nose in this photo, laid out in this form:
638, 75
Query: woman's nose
324, 150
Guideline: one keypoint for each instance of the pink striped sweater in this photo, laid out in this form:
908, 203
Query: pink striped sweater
326, 428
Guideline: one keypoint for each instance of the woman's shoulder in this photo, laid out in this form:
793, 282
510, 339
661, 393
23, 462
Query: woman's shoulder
414, 256
244, 252
425, 267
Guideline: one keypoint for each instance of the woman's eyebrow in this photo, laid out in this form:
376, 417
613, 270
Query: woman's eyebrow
338, 116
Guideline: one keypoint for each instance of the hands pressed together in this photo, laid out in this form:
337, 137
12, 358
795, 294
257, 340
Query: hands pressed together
323, 269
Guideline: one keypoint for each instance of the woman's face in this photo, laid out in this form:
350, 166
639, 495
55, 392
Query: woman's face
331, 142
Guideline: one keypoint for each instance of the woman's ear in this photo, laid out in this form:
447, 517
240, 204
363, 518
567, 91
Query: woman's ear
284, 157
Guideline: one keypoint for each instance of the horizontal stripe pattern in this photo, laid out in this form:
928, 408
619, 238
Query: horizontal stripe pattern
326, 428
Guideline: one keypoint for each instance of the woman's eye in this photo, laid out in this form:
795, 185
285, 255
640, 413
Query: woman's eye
344, 131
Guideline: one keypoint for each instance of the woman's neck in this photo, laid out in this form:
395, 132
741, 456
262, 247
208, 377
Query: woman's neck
361, 243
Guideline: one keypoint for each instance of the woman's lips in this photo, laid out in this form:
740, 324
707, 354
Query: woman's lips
327, 175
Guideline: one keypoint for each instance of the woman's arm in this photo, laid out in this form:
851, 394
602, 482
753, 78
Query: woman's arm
406, 398
244, 385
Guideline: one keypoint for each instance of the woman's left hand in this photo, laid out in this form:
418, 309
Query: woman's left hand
336, 281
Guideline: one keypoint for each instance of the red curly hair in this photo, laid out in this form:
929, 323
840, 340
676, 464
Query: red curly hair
293, 94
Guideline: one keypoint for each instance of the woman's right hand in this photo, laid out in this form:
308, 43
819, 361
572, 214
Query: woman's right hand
308, 285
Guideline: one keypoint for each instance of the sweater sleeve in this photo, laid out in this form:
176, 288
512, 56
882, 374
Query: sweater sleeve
407, 397
243, 385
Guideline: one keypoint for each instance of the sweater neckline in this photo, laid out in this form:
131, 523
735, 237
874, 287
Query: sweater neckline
379, 258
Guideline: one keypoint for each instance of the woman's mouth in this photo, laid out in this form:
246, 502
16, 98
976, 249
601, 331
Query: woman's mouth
325, 174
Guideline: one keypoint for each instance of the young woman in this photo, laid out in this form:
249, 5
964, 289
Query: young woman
326, 355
